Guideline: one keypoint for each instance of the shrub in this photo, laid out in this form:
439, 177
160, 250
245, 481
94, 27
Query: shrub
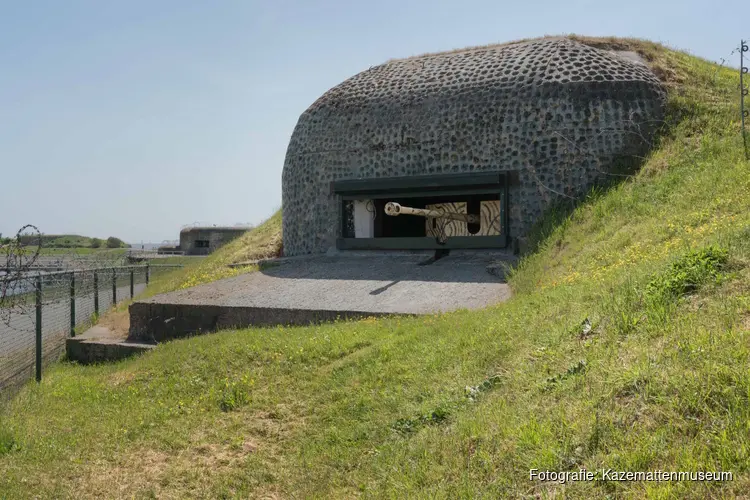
113, 242
8, 443
688, 273
235, 394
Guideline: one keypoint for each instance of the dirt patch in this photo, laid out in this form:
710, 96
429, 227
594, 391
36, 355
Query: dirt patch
122, 377
211, 455
182, 474
745, 322
118, 322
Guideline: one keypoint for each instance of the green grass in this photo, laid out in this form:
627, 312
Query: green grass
625, 346
182, 260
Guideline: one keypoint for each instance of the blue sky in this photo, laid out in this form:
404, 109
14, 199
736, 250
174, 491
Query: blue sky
133, 118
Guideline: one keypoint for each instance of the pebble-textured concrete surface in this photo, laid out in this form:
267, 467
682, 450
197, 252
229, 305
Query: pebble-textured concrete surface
378, 284
561, 114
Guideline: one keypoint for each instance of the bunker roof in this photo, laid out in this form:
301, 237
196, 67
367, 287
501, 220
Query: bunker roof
226, 229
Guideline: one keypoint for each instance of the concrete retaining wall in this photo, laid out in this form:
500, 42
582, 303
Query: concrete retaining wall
150, 322
88, 351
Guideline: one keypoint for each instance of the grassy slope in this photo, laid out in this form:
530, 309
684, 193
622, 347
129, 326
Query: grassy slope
381, 406
262, 242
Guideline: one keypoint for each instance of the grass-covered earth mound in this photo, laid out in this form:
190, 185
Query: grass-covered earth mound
68, 241
262, 242
625, 346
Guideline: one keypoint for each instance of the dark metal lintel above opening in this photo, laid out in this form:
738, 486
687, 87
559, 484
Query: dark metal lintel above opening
474, 182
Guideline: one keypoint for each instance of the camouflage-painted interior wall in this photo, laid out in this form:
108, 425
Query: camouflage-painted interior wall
489, 220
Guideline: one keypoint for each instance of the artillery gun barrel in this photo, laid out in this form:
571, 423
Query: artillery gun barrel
394, 209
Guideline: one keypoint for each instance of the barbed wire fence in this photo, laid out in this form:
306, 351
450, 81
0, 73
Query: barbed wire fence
743, 92
742, 87
43, 302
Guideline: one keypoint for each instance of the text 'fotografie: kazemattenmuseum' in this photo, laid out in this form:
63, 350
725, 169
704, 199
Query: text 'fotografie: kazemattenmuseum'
615, 475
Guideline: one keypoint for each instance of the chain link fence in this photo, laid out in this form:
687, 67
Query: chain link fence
41, 309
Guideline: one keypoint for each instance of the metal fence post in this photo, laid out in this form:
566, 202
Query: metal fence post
39, 328
147, 273
114, 286
73, 304
131, 283
96, 293
743, 93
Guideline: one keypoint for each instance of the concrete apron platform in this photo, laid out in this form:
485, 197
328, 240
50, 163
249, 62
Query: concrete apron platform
300, 291
100, 344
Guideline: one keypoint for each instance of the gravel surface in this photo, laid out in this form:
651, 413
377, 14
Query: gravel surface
383, 284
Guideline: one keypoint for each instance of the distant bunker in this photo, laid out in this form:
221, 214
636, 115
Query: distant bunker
478, 142
204, 240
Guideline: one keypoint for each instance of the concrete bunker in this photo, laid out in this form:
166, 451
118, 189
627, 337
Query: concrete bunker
204, 240
488, 137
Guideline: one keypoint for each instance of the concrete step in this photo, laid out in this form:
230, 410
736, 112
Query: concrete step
99, 344
157, 322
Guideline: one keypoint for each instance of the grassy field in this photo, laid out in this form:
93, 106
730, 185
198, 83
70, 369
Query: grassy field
69, 241
625, 346
83, 251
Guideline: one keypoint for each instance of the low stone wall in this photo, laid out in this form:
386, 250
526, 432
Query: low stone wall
87, 351
153, 322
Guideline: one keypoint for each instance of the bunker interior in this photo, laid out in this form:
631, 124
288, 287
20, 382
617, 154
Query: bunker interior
366, 226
